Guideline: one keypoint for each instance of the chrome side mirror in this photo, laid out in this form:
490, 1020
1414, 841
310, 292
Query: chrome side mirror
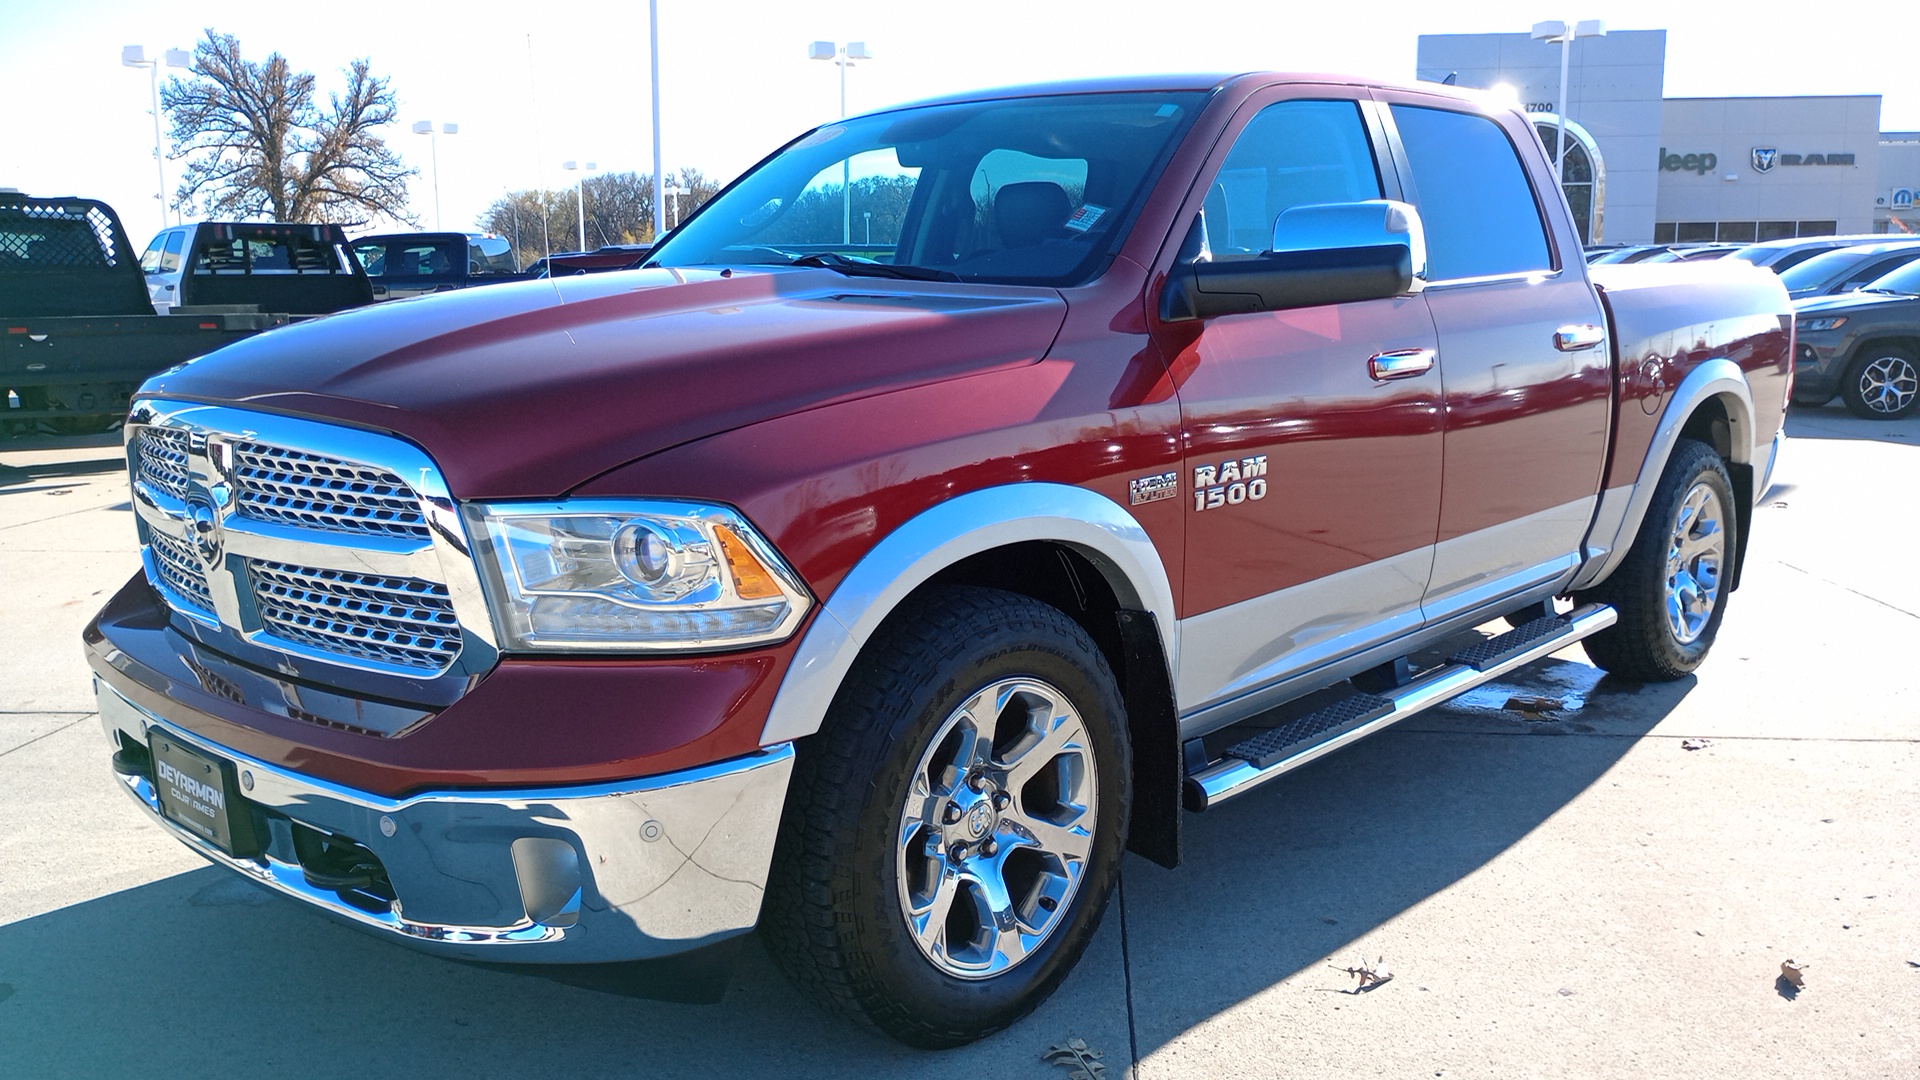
1338, 226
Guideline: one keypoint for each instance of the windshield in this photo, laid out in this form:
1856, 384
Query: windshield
1031, 191
1821, 269
1904, 280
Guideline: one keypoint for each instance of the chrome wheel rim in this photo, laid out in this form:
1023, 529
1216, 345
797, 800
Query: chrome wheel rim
997, 829
1695, 553
1888, 384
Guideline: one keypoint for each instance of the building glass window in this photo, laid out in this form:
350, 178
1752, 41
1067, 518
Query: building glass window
1695, 232
1580, 175
1778, 230
1663, 232
1738, 232
1819, 228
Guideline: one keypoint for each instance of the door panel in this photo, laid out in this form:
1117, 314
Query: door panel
1526, 423
1312, 490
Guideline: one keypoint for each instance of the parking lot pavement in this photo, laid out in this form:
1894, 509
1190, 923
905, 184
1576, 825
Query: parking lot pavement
1559, 888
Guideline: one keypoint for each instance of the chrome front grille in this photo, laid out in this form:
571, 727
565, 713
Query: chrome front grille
295, 544
305, 490
180, 570
162, 460
400, 621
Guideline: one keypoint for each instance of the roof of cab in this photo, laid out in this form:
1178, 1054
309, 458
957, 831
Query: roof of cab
1164, 83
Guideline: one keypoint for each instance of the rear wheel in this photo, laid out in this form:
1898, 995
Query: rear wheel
1883, 383
954, 831
1670, 590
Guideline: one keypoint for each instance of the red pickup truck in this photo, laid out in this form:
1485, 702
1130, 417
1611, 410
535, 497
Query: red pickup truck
882, 602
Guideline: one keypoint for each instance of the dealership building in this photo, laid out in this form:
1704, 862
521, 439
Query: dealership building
1643, 167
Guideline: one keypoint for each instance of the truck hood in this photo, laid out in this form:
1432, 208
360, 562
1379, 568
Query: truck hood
1844, 302
527, 390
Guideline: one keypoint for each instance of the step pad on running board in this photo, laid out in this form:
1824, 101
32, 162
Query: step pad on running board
1493, 651
1270, 746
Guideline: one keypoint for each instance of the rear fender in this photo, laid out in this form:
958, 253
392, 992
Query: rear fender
1621, 513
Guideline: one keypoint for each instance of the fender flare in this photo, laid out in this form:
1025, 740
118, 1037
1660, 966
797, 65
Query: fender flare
1716, 378
1090, 523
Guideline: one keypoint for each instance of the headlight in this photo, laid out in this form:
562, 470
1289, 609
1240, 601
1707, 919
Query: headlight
1825, 322
632, 575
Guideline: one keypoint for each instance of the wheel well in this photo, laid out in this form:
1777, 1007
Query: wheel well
1711, 424
1907, 342
1059, 575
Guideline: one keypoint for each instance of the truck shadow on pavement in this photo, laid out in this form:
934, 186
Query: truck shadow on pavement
206, 969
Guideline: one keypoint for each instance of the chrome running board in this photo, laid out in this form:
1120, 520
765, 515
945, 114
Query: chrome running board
1256, 760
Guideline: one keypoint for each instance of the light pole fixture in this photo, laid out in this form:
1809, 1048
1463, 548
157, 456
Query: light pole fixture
659, 179
671, 212
135, 56
580, 194
844, 55
433, 132
1563, 34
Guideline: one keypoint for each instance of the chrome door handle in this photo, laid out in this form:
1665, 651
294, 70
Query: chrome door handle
1400, 364
1576, 336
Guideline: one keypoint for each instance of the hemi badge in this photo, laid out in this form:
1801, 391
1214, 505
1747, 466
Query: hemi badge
1153, 488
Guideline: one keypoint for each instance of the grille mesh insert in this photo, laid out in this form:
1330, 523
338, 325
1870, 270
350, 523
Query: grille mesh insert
293, 487
163, 460
400, 621
181, 571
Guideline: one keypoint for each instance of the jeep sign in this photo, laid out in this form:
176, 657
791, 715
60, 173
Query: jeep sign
1695, 163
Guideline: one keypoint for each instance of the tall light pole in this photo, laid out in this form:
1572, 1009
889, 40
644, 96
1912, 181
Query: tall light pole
135, 56
433, 133
580, 194
844, 55
1563, 34
659, 178
671, 212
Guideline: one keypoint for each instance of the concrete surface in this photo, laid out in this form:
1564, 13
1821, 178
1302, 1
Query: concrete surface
1564, 893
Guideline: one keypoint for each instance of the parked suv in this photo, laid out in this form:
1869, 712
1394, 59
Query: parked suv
1863, 345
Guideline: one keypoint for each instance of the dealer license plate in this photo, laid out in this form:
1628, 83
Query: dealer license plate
197, 791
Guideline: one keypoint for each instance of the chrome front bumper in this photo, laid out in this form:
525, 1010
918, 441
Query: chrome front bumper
621, 871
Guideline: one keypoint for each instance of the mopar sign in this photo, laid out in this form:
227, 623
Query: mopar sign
1766, 157
1902, 199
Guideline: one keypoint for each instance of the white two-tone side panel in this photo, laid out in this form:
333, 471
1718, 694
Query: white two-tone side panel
978, 521
1484, 564
1233, 651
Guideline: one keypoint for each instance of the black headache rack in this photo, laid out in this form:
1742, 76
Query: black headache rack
77, 332
297, 269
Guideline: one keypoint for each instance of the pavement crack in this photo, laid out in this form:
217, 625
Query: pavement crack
76, 720
1854, 591
1126, 974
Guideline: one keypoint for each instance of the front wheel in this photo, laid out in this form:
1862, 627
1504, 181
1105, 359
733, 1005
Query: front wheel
1670, 589
1882, 384
954, 831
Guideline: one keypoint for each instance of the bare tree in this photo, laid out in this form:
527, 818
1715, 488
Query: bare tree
259, 144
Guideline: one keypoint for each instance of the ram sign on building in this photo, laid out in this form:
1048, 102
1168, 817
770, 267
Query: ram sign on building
1642, 167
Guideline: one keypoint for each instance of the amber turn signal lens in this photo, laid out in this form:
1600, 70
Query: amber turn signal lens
751, 578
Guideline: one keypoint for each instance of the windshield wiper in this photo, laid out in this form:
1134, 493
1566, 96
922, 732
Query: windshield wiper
1888, 292
829, 260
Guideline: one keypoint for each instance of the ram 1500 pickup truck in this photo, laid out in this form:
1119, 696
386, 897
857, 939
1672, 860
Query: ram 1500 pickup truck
881, 603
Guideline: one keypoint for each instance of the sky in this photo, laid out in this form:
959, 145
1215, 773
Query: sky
533, 85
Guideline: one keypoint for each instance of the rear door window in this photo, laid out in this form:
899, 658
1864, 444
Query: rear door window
1481, 217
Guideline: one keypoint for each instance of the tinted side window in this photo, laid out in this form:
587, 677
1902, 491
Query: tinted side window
170, 259
1479, 210
1879, 268
1295, 153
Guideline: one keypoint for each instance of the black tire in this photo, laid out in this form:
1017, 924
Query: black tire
1644, 645
1882, 383
835, 917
